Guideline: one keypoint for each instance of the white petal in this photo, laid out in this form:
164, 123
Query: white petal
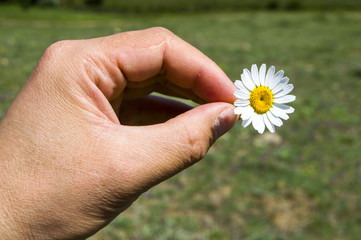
240, 86
246, 122
238, 110
286, 90
268, 123
281, 84
278, 88
255, 76
285, 99
241, 95
243, 110
247, 80
270, 75
274, 120
286, 108
285, 80
258, 123
279, 113
263, 126
247, 112
241, 103
276, 79
262, 74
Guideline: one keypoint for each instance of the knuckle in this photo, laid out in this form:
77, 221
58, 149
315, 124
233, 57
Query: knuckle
162, 30
56, 60
55, 49
162, 34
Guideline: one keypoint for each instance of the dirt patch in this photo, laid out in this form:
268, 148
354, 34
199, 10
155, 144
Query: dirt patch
290, 212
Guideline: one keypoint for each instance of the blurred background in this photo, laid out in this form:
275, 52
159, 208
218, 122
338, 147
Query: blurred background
303, 182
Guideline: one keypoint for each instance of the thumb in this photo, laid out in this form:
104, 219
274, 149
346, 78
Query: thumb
165, 149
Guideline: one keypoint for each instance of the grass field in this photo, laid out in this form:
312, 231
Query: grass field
301, 183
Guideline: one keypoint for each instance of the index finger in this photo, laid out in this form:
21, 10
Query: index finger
144, 54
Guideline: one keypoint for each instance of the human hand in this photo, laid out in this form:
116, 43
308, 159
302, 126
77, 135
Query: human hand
69, 163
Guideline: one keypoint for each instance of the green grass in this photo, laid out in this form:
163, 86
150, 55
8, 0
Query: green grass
301, 183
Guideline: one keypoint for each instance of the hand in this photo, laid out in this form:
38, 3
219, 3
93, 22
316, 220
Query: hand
69, 162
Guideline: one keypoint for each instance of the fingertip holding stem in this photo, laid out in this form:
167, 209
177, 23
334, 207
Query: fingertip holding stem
224, 122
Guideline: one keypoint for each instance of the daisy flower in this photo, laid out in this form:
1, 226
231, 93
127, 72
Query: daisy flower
262, 97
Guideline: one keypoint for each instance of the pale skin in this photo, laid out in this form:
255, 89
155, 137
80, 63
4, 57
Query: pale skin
70, 162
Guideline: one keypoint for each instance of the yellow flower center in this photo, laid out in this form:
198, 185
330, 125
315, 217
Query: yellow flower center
261, 99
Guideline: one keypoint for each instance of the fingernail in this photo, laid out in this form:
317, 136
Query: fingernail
224, 122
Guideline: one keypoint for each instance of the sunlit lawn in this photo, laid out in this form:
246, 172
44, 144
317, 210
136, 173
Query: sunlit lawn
301, 183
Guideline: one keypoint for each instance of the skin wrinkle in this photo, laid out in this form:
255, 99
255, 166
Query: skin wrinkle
191, 143
94, 69
107, 73
176, 152
163, 69
96, 95
93, 94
